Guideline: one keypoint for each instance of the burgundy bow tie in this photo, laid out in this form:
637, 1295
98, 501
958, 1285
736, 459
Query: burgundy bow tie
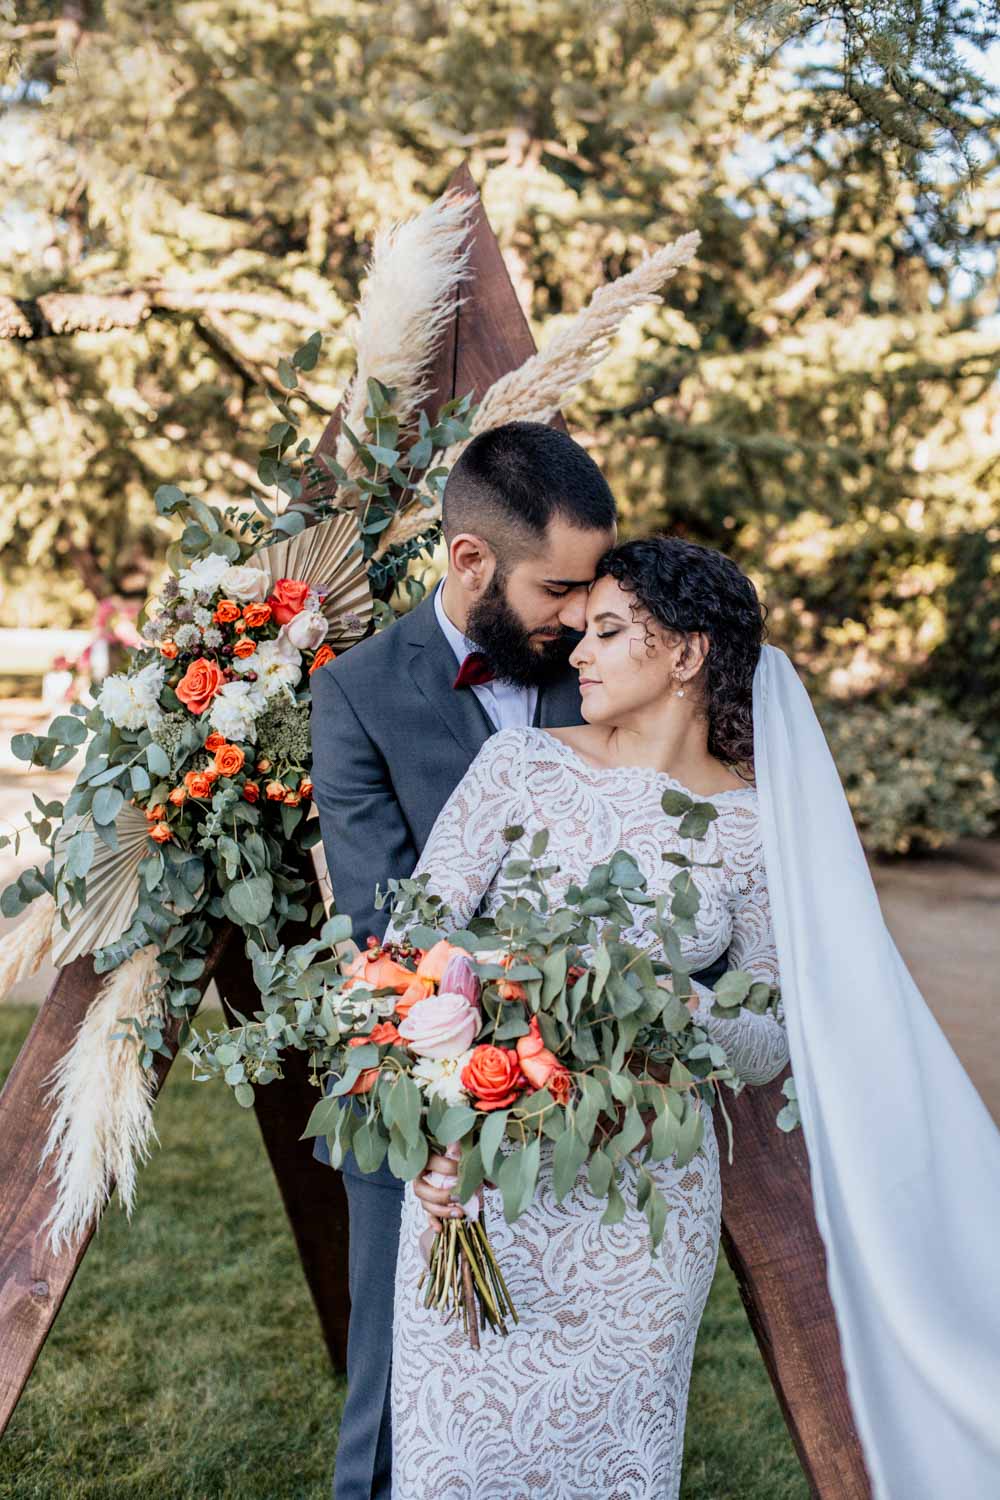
475, 671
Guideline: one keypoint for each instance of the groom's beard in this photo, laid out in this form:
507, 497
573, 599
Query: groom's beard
502, 638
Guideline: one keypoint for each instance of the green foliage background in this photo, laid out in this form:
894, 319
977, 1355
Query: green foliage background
818, 396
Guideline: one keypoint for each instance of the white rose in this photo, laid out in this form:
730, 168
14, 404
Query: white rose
306, 631
203, 574
245, 584
234, 710
277, 664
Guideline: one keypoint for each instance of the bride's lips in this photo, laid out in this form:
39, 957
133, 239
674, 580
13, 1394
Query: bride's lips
586, 682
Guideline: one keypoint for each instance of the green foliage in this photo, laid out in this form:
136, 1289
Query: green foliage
916, 778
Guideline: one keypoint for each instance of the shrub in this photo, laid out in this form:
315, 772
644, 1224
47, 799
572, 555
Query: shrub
915, 777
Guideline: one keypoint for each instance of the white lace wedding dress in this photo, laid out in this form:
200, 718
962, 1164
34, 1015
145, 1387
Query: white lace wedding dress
587, 1396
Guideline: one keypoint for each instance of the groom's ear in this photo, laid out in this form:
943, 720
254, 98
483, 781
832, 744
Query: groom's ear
472, 560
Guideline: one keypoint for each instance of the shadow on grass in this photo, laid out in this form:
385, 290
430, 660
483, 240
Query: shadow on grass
187, 1362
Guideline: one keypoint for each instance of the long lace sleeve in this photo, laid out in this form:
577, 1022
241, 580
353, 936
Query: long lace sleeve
757, 1046
466, 846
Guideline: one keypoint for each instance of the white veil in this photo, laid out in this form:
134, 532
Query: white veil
904, 1157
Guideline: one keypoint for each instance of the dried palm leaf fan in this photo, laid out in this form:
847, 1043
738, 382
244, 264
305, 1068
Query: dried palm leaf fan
112, 883
321, 555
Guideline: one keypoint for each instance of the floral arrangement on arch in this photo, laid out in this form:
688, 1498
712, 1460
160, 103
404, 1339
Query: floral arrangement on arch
193, 803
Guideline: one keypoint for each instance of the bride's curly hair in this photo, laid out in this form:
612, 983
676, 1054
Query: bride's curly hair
686, 589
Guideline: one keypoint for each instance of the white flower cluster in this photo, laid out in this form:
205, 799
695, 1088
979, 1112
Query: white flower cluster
441, 1077
237, 581
132, 702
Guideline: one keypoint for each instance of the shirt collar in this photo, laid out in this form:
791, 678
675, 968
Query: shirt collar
457, 640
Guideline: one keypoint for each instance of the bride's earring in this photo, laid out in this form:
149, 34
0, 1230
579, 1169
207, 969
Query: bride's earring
680, 692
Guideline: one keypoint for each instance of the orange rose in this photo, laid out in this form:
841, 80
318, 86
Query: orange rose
240, 626
256, 615
384, 1034
226, 612
541, 1067
417, 989
251, 791
366, 1079
198, 783
306, 787
154, 814
323, 655
199, 685
215, 741
275, 791
493, 1076
287, 598
244, 648
229, 759
160, 832
178, 796
263, 764
169, 649
292, 799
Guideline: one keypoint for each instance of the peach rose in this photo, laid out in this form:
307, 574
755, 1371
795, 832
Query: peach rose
154, 814
365, 1080
169, 649
434, 962
287, 598
323, 655
243, 649
306, 787
240, 626
199, 685
440, 1026
541, 1067
384, 1034
229, 759
417, 989
226, 611
263, 764
215, 741
198, 783
251, 791
493, 1077
160, 832
178, 796
377, 971
256, 615
275, 791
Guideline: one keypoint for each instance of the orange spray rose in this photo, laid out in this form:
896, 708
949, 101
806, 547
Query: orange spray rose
226, 611
198, 783
323, 655
256, 615
178, 796
229, 760
251, 791
160, 832
199, 685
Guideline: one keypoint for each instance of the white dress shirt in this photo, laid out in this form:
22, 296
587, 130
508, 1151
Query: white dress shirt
507, 705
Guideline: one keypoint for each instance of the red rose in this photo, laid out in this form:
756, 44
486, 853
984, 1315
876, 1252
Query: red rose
287, 598
493, 1076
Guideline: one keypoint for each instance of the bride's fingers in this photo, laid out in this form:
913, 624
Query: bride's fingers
444, 1164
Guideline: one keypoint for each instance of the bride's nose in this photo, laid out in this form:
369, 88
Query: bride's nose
579, 655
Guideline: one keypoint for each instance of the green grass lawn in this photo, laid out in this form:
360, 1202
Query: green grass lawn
187, 1362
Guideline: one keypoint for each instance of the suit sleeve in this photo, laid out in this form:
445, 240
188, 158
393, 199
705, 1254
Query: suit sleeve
366, 839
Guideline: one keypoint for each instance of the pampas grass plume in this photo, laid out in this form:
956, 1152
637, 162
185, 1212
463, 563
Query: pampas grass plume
25, 947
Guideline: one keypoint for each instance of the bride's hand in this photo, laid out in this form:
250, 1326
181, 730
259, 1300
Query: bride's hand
438, 1201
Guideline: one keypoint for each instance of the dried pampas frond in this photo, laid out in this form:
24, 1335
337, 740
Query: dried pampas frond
535, 391
102, 1121
25, 947
407, 302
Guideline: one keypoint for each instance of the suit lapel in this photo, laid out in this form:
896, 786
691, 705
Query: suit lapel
433, 667
559, 702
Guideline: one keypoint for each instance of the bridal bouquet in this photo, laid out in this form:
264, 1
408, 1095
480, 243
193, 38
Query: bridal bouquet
534, 1024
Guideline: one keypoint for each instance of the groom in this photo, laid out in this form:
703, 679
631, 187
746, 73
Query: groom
396, 723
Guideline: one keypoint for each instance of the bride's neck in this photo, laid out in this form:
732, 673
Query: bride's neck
675, 742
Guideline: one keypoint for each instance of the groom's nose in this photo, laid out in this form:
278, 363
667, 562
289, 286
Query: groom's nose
573, 611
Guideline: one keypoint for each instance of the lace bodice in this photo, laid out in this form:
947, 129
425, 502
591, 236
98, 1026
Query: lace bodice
527, 777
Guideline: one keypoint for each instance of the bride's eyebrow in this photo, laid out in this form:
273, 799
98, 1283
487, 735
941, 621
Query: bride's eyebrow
607, 615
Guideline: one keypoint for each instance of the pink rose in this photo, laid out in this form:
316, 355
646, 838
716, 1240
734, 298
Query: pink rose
440, 1026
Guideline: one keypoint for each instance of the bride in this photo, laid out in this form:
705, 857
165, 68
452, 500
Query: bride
587, 1396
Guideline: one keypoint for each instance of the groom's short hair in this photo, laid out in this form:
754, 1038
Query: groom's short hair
511, 480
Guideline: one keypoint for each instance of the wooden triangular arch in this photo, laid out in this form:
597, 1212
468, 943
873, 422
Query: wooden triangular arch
769, 1230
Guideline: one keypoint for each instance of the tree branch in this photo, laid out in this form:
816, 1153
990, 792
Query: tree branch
58, 314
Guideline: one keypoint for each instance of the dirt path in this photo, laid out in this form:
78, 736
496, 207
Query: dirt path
944, 913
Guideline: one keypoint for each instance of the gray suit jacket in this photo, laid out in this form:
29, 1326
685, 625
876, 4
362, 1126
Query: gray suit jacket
391, 740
